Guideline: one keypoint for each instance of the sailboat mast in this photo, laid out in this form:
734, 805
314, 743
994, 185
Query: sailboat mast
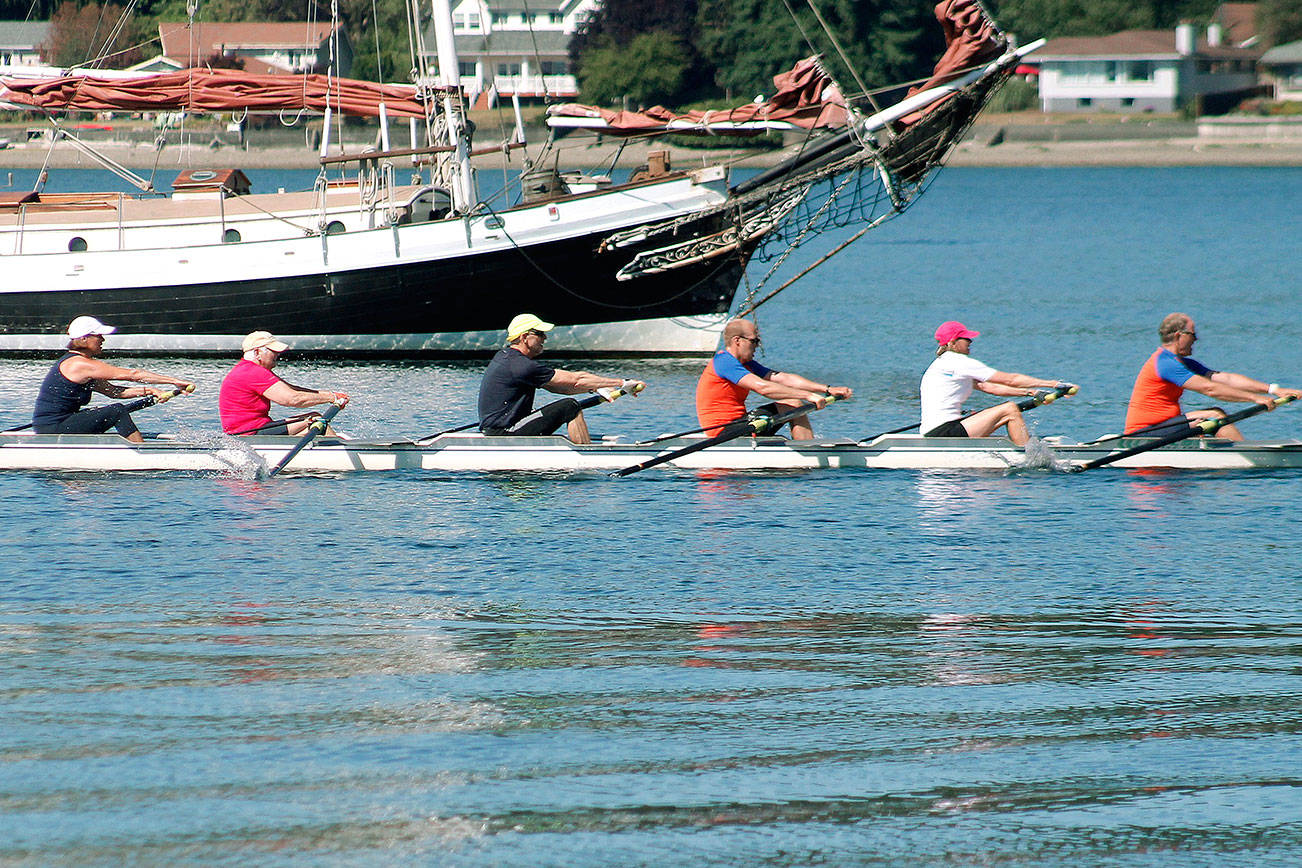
463, 189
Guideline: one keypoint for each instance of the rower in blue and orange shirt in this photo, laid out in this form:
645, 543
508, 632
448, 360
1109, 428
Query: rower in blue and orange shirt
1154, 409
733, 373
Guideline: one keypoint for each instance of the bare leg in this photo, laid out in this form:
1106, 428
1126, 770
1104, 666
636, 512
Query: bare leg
801, 429
136, 437
578, 430
1229, 432
989, 420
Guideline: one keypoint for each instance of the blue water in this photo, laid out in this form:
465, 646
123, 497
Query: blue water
792, 669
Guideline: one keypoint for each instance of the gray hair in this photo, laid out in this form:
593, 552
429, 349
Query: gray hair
1172, 325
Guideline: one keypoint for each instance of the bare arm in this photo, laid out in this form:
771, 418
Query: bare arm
1240, 381
799, 382
778, 390
577, 382
289, 395
1221, 390
1021, 382
98, 374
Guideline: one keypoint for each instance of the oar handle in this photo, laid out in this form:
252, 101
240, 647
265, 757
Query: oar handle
1062, 390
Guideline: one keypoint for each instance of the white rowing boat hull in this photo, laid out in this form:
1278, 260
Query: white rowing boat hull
251, 456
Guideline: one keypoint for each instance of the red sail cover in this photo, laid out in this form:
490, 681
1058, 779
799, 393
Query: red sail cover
212, 90
806, 97
971, 39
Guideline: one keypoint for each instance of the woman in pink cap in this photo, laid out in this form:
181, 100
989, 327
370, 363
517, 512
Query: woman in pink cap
950, 380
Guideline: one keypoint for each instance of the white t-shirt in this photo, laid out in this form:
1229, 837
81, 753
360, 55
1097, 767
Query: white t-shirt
946, 385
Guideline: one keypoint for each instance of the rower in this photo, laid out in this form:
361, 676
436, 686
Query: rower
950, 379
250, 388
1154, 409
79, 372
733, 373
507, 390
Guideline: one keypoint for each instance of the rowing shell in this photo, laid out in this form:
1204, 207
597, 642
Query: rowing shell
251, 456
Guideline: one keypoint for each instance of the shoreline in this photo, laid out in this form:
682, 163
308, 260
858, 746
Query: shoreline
975, 152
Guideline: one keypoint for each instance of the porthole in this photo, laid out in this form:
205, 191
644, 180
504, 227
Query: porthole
77, 244
230, 236
334, 227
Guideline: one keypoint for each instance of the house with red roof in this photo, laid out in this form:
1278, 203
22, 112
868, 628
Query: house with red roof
1155, 70
271, 47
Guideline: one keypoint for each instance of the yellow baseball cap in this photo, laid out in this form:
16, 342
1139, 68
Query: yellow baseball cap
526, 322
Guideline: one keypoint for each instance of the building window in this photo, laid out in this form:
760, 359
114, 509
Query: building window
472, 21
555, 67
1141, 70
1084, 102
556, 18
1110, 70
1127, 102
467, 69
508, 69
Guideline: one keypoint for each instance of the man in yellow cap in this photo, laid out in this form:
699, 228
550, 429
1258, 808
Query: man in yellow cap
250, 388
507, 390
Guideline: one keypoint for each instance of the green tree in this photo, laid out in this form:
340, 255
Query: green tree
749, 41
649, 69
91, 34
1280, 21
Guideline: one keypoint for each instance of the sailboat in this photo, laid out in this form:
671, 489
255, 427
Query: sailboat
426, 265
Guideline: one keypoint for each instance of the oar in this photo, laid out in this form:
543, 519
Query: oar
1046, 397
318, 426
1203, 426
664, 437
585, 404
758, 426
129, 406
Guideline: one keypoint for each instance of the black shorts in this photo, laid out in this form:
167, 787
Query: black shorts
96, 421
952, 428
545, 420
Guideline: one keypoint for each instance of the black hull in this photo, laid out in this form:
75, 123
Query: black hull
565, 282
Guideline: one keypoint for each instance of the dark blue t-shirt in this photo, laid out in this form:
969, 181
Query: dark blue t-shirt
58, 397
506, 392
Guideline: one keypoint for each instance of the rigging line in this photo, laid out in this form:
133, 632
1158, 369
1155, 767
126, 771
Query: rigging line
563, 288
836, 43
533, 38
804, 34
852, 239
809, 226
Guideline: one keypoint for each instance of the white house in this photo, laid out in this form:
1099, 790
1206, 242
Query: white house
1281, 68
1147, 70
508, 47
21, 41
274, 47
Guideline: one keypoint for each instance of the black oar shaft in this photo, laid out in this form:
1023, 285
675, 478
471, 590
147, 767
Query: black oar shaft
1196, 429
318, 426
758, 426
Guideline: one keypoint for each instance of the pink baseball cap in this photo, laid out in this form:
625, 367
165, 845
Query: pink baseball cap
952, 331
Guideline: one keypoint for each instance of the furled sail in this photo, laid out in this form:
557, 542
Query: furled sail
805, 97
212, 90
